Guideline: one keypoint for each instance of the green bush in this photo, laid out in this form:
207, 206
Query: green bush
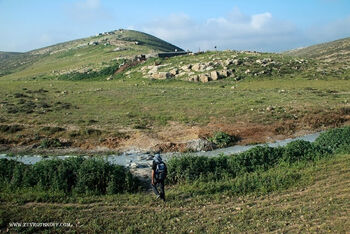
190, 168
222, 139
257, 158
334, 140
76, 174
297, 151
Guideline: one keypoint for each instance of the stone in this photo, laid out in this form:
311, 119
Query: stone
270, 108
200, 145
224, 74
228, 62
237, 62
194, 78
247, 71
196, 67
174, 71
214, 75
203, 67
204, 78
209, 68
162, 75
187, 67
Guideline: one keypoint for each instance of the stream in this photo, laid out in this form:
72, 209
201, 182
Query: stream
137, 160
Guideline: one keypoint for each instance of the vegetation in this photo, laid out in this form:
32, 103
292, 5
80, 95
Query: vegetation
303, 197
222, 139
75, 175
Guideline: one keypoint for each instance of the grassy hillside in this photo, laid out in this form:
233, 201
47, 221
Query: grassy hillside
325, 51
81, 56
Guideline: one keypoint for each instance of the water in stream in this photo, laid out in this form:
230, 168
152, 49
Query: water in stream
142, 160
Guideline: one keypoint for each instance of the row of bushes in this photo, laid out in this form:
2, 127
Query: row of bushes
260, 158
73, 175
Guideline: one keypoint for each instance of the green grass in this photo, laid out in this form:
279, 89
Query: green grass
111, 106
317, 202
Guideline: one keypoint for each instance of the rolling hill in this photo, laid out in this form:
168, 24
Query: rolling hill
338, 50
87, 55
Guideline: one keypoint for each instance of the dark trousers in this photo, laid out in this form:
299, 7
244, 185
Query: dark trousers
159, 184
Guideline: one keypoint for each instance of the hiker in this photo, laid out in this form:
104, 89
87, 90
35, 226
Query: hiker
159, 172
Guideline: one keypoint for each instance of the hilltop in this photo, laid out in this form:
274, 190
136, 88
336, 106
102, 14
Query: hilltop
106, 50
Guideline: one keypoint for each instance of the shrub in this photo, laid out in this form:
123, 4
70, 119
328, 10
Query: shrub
257, 158
83, 176
222, 139
189, 168
334, 140
298, 150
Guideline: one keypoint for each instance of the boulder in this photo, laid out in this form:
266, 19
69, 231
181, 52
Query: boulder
194, 78
174, 71
200, 145
204, 78
196, 67
237, 61
187, 67
214, 75
224, 73
162, 75
209, 68
228, 62
203, 67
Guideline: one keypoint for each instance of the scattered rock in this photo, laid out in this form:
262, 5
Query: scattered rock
270, 108
204, 78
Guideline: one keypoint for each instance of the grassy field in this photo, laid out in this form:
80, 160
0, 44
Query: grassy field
119, 107
316, 202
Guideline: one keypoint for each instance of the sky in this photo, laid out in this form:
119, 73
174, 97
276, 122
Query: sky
260, 25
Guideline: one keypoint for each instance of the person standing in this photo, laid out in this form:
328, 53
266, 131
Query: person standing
159, 172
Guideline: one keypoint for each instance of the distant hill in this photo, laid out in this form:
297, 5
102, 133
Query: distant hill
86, 55
335, 51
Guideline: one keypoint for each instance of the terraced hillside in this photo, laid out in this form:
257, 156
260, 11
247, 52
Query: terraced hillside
104, 52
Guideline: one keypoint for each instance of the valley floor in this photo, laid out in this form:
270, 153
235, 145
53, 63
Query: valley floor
318, 204
49, 116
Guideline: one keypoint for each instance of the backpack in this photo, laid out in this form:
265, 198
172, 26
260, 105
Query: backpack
160, 172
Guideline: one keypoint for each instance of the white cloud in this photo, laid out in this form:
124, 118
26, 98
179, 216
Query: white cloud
88, 11
88, 4
235, 31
